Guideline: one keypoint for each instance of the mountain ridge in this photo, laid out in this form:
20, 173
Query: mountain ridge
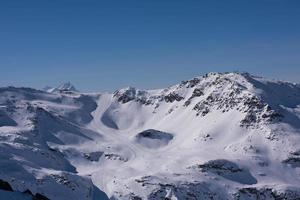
216, 136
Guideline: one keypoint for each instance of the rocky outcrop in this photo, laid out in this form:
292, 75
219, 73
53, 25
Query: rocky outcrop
153, 138
125, 95
228, 170
293, 160
266, 193
197, 191
171, 97
93, 156
5, 186
113, 156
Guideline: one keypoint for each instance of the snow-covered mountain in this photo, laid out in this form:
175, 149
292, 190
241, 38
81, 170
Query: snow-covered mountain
217, 136
65, 87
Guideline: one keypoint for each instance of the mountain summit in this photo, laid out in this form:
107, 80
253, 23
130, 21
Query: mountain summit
65, 87
217, 136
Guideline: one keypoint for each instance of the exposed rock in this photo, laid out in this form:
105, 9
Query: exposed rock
155, 134
64, 180
293, 161
190, 83
134, 197
112, 156
63, 88
228, 170
296, 153
171, 97
28, 192
5, 186
125, 96
196, 93
189, 191
39, 196
93, 156
266, 193
153, 138
253, 193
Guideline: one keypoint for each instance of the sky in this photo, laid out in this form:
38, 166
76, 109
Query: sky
104, 45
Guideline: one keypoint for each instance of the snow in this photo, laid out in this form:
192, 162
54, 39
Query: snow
61, 88
213, 136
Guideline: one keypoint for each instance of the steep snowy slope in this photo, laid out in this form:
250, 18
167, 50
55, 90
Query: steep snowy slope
218, 136
31, 121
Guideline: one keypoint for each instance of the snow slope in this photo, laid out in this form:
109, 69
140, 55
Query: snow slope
217, 136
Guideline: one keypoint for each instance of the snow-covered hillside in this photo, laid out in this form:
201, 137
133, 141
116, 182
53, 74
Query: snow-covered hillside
217, 136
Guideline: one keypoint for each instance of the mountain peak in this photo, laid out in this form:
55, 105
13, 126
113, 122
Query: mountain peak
64, 87
67, 86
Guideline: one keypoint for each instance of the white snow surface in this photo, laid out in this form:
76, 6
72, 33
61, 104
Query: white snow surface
217, 136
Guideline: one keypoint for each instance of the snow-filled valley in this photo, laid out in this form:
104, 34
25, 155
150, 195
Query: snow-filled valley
216, 136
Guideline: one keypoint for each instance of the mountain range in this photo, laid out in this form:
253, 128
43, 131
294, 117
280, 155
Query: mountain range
216, 136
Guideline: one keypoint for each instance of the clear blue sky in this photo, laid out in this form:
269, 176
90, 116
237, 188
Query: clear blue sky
102, 45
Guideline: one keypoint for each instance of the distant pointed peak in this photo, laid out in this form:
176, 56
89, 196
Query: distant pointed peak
67, 86
64, 87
